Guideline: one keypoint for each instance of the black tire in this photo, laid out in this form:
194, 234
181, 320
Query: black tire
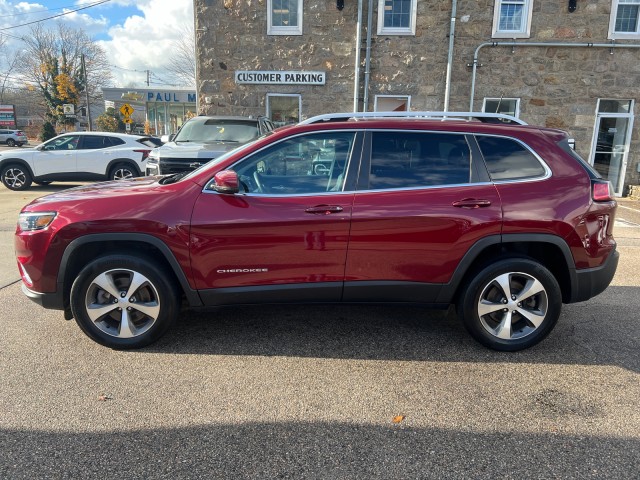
101, 300
519, 319
11, 142
16, 177
122, 171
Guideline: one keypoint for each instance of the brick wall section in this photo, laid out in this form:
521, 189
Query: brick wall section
558, 87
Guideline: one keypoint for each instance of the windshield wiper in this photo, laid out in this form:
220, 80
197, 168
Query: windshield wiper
173, 178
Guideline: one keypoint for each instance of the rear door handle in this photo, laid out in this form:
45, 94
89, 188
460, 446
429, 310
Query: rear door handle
324, 209
471, 203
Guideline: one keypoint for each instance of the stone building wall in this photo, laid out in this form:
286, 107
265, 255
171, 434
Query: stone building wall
557, 86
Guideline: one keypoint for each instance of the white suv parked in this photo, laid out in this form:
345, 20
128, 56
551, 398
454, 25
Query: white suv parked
76, 156
13, 137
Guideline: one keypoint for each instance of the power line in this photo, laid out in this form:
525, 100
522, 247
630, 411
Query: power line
56, 16
38, 11
127, 69
12, 36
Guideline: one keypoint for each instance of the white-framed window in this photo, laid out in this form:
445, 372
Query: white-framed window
625, 19
508, 106
397, 17
284, 108
284, 17
512, 19
392, 103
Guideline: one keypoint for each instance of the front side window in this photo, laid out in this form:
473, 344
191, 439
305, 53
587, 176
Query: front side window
508, 159
417, 159
68, 142
624, 22
306, 164
284, 17
397, 17
512, 19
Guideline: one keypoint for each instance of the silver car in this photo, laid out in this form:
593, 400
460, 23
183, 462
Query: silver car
13, 137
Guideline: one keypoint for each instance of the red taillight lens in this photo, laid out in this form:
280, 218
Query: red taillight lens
145, 153
601, 191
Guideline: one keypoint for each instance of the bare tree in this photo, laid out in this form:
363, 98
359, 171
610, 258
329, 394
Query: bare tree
182, 61
53, 63
8, 62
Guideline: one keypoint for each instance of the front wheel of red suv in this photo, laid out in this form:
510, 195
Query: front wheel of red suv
124, 302
511, 304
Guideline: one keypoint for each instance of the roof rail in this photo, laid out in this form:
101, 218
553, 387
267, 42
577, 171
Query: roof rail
481, 116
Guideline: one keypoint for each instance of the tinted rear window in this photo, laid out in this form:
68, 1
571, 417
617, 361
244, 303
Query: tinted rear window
418, 159
147, 142
115, 141
508, 159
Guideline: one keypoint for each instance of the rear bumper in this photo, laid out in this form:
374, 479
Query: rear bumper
593, 281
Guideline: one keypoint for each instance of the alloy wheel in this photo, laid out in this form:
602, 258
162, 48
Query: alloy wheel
14, 178
122, 303
512, 305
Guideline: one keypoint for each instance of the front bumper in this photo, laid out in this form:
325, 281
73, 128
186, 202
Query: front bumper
53, 301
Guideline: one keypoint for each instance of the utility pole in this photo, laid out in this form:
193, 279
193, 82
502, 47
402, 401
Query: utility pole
86, 91
148, 77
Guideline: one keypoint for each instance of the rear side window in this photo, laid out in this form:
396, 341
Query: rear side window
90, 142
113, 141
508, 159
418, 159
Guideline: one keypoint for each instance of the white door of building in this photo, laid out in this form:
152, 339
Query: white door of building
611, 139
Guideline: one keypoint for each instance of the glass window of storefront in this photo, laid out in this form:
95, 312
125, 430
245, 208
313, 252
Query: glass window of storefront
283, 109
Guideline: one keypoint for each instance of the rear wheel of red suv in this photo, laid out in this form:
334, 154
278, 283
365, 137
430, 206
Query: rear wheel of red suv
124, 302
511, 304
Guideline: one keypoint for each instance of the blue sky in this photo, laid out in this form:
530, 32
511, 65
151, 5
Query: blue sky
135, 34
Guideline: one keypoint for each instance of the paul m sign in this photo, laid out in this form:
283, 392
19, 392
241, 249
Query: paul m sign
279, 78
171, 96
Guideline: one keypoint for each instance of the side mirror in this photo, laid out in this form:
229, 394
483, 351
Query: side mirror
226, 182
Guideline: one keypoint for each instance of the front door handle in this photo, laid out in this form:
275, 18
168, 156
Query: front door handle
324, 209
471, 203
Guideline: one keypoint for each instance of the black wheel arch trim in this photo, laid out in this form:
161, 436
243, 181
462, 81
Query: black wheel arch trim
192, 295
13, 161
448, 291
126, 161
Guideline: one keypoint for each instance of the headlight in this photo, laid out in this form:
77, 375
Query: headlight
35, 220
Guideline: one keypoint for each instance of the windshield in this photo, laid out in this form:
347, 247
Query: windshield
215, 130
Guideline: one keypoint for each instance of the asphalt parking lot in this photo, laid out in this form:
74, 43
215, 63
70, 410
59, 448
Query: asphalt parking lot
335, 392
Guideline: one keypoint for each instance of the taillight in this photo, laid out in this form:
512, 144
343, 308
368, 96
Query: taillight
601, 191
145, 154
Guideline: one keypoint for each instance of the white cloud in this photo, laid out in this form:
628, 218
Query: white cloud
140, 41
143, 42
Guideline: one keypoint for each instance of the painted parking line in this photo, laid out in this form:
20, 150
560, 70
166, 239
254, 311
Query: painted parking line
621, 222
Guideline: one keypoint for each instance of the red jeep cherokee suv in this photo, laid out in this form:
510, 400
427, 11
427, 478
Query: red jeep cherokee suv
505, 221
